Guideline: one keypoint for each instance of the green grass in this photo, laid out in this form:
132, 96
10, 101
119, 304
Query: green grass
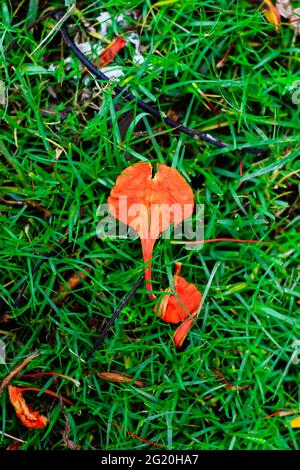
250, 318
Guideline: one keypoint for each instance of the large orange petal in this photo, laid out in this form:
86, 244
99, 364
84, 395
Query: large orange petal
28, 417
150, 204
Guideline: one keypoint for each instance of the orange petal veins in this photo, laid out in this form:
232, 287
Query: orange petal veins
28, 417
150, 204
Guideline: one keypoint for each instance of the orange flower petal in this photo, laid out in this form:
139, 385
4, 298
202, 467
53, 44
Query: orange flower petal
108, 55
28, 417
182, 332
150, 204
175, 309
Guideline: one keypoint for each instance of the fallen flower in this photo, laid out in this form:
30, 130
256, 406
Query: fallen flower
182, 307
150, 204
28, 417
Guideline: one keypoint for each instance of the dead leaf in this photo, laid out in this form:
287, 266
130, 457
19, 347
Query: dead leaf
28, 417
118, 377
150, 204
16, 370
73, 281
68, 442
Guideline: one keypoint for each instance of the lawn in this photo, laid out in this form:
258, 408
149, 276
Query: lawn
217, 67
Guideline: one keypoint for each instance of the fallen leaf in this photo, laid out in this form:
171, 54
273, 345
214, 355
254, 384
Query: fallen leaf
110, 52
68, 442
28, 417
16, 370
73, 281
182, 307
295, 423
119, 378
150, 204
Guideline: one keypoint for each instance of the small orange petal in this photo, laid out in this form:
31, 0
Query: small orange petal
28, 417
176, 308
182, 332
